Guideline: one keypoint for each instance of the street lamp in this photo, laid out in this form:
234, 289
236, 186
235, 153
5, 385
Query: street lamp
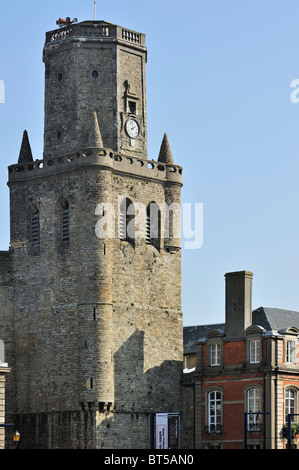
16, 436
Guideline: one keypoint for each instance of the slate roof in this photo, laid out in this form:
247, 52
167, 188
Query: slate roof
271, 319
192, 334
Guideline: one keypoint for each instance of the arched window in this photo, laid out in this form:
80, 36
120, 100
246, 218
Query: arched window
290, 404
214, 412
34, 226
254, 407
153, 224
127, 220
65, 220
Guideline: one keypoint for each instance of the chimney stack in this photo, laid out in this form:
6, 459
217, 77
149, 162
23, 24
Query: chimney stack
238, 303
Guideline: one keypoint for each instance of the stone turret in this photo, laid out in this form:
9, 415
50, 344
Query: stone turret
165, 154
95, 138
25, 155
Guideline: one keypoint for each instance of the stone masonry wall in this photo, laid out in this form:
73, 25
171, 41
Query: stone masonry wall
95, 321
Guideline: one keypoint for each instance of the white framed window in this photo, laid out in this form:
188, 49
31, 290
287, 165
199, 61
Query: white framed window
291, 356
214, 411
254, 407
290, 404
254, 351
215, 352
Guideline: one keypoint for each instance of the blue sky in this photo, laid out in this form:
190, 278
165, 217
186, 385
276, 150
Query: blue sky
218, 82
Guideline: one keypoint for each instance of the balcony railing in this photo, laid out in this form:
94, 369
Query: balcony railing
254, 427
213, 429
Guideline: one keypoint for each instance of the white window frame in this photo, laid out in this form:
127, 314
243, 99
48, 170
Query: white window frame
290, 403
291, 352
215, 354
255, 351
254, 405
214, 409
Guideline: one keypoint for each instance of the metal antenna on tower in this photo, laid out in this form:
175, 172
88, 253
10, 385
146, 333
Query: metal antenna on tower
95, 9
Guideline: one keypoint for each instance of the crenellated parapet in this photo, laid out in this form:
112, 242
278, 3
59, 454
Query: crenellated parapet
118, 163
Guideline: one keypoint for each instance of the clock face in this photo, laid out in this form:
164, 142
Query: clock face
132, 128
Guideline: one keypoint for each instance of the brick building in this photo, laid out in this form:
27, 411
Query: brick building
90, 291
241, 378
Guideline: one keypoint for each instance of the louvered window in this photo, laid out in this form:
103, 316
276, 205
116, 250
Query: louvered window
122, 224
65, 221
148, 228
153, 221
35, 235
127, 221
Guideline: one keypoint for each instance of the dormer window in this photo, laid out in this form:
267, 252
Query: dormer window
215, 347
215, 354
254, 351
290, 344
291, 352
254, 341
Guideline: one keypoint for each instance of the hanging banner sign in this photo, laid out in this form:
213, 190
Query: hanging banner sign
167, 431
161, 431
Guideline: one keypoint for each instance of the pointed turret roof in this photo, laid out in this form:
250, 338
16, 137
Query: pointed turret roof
25, 155
95, 138
165, 155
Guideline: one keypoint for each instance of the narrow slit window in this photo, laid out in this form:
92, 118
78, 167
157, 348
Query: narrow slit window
35, 229
65, 221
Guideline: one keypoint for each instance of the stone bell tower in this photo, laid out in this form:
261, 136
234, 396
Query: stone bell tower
95, 327
95, 67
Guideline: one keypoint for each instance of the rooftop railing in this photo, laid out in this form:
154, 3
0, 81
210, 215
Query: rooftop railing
95, 30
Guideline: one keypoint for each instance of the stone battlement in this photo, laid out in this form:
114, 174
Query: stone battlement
101, 157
